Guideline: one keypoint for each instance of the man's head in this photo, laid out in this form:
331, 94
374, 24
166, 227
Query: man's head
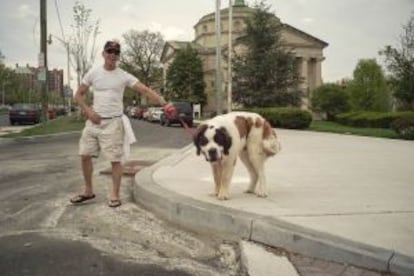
112, 50
112, 46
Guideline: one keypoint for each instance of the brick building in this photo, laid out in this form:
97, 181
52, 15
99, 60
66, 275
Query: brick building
29, 77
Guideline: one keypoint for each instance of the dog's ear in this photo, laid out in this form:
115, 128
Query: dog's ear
223, 138
197, 136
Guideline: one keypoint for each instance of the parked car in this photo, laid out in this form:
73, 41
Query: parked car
25, 113
139, 112
154, 114
184, 112
51, 113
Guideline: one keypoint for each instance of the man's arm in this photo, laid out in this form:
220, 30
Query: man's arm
80, 99
146, 91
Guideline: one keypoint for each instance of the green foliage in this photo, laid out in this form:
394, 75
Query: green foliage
368, 90
16, 90
185, 77
400, 63
331, 99
285, 117
371, 119
265, 74
59, 125
325, 126
404, 126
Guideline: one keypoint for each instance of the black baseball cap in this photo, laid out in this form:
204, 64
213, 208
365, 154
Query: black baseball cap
112, 45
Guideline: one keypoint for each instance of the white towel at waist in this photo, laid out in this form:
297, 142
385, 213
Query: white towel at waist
129, 138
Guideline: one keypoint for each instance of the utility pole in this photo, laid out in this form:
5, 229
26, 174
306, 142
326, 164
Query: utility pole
229, 64
218, 59
42, 77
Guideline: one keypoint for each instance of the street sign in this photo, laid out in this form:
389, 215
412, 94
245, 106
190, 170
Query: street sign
41, 60
68, 91
41, 74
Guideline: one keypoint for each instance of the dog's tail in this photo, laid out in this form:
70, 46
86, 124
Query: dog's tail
270, 142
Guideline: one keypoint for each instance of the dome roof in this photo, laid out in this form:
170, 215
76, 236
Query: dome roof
238, 11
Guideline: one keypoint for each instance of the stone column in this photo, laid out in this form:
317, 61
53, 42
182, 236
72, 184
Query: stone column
318, 71
305, 81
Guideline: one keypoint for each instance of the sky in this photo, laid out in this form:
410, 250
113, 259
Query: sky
354, 29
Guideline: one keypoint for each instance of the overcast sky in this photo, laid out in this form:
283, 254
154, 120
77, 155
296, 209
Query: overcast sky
354, 29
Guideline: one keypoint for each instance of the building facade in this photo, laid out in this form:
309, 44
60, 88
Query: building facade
29, 77
307, 49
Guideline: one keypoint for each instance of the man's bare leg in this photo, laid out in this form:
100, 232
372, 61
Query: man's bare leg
116, 180
87, 170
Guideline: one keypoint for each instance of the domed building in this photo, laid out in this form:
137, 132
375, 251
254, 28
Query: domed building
307, 49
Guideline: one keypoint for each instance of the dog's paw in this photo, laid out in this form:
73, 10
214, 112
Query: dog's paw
260, 193
223, 196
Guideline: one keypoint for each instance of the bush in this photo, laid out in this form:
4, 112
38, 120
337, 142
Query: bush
370, 119
293, 118
404, 126
330, 99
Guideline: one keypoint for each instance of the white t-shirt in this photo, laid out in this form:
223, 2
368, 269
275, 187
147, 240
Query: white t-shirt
108, 89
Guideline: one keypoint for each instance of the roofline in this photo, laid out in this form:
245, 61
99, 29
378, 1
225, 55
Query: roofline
325, 44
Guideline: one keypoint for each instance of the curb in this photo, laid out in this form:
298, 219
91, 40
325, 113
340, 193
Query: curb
206, 217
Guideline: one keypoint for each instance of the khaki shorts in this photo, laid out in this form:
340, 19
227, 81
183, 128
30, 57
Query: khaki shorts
107, 137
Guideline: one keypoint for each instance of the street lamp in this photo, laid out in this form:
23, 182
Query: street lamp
67, 47
218, 59
229, 69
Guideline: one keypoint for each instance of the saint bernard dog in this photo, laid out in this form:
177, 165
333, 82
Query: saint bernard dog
244, 134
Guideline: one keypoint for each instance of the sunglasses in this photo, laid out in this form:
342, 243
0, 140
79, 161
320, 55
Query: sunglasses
113, 51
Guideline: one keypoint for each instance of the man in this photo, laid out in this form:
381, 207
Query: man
104, 129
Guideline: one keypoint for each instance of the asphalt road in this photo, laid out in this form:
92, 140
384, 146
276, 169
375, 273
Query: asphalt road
41, 233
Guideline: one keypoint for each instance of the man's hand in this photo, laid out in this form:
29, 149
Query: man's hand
93, 117
170, 110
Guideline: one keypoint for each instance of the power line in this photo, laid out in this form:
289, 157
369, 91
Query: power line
60, 21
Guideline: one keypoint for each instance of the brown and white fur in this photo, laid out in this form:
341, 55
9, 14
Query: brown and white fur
244, 134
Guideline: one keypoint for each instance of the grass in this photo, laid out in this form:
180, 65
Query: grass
324, 126
59, 125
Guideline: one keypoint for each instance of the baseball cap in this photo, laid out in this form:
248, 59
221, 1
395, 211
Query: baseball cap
112, 45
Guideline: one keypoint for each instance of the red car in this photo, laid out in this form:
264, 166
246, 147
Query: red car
51, 113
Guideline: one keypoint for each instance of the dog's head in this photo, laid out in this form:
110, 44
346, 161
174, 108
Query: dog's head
213, 141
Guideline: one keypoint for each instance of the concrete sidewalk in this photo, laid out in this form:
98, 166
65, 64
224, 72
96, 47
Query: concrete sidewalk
338, 197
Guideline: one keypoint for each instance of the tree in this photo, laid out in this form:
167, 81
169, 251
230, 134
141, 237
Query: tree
265, 73
368, 89
400, 63
185, 77
82, 43
331, 99
141, 56
12, 89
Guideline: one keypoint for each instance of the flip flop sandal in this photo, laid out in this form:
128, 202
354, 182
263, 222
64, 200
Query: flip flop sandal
81, 198
113, 203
